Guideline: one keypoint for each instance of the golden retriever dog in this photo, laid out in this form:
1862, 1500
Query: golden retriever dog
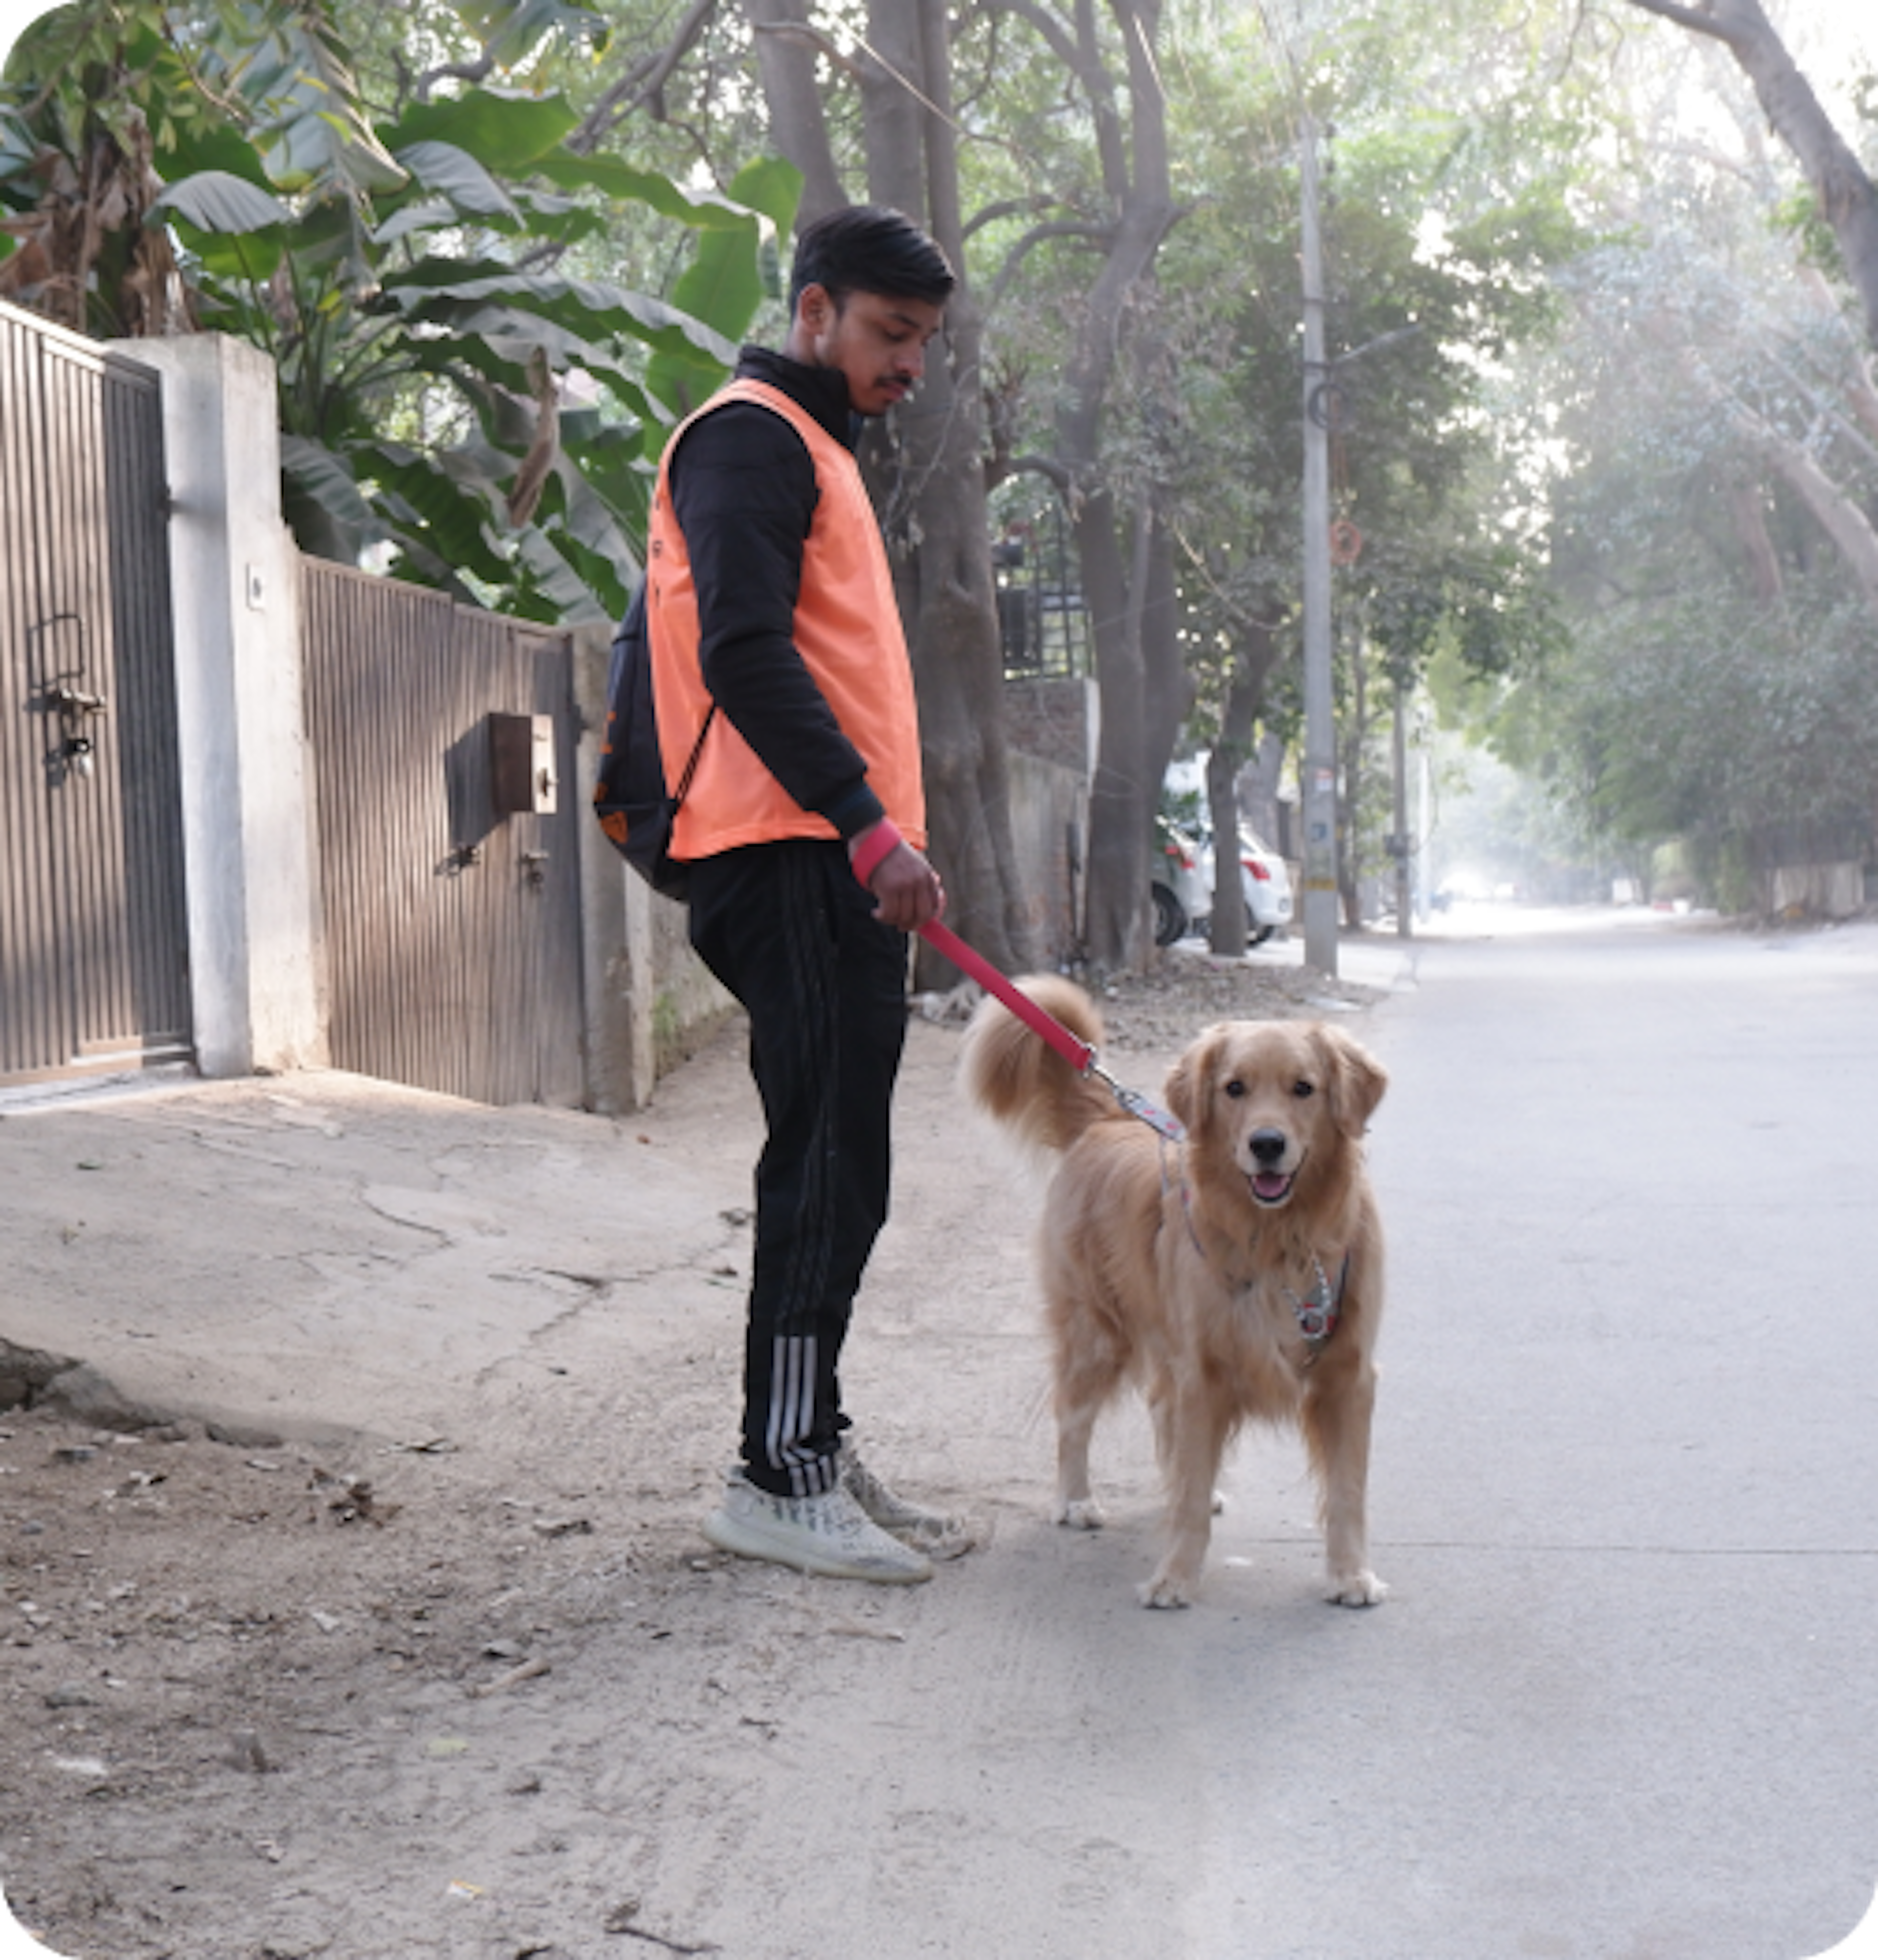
1236, 1276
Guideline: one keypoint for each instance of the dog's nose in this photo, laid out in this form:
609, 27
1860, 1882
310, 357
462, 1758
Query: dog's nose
1268, 1145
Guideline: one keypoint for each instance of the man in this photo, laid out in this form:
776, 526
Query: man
769, 594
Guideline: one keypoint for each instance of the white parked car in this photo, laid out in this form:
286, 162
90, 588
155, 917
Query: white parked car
1181, 897
1266, 880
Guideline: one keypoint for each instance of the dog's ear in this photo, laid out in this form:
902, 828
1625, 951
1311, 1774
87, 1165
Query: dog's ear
1189, 1081
1357, 1078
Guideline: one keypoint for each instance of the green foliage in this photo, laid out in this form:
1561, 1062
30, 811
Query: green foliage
1747, 732
511, 30
1798, 217
1441, 265
486, 421
1715, 687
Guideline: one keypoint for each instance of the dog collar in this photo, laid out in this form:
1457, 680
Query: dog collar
1316, 1312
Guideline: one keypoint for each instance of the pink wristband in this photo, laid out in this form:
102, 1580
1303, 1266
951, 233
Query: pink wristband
881, 839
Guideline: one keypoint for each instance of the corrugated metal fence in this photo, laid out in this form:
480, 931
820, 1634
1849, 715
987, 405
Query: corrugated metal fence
452, 932
94, 961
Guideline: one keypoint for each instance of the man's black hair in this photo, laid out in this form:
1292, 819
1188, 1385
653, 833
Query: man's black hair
866, 248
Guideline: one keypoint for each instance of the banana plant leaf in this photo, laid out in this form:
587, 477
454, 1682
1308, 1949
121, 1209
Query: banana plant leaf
506, 134
312, 128
511, 30
329, 512
437, 292
455, 494
233, 227
453, 174
725, 283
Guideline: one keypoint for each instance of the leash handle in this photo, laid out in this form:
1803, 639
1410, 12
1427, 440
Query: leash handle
942, 939
883, 840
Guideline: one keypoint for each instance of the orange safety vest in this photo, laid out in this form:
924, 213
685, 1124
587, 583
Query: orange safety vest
847, 628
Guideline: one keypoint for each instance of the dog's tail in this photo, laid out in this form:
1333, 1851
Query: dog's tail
1013, 1073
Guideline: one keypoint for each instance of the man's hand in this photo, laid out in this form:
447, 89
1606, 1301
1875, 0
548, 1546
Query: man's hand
906, 888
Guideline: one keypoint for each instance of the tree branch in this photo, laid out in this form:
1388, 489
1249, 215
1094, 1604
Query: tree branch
1060, 41
1100, 236
1699, 20
1046, 467
642, 81
814, 39
1010, 207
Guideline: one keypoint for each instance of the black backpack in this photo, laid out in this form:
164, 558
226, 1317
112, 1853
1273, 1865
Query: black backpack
630, 797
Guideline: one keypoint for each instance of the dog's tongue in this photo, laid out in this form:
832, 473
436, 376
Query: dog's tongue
1271, 1184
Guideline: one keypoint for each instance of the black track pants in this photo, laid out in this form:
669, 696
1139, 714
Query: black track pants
790, 933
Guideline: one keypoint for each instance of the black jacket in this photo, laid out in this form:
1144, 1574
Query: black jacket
743, 492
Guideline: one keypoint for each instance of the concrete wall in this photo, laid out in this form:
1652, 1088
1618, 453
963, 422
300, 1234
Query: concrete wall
1053, 727
1834, 891
1056, 719
247, 832
1049, 824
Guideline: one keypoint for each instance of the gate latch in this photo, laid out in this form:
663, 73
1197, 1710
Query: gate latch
72, 705
71, 702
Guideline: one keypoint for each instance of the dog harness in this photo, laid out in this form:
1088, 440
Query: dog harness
1316, 1312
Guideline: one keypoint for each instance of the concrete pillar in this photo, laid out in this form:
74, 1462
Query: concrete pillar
246, 813
619, 985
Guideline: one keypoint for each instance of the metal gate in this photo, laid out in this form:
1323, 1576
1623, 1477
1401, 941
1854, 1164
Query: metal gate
93, 953
447, 856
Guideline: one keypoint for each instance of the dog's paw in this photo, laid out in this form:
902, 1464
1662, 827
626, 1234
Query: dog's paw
1079, 1513
1357, 1589
1163, 1590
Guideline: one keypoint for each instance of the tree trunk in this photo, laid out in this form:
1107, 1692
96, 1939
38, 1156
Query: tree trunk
1122, 595
1227, 929
1837, 513
1118, 927
1750, 517
1352, 738
938, 524
1259, 796
785, 62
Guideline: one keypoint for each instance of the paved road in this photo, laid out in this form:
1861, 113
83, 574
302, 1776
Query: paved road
1623, 1705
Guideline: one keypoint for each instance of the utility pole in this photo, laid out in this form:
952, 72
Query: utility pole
1401, 842
1319, 786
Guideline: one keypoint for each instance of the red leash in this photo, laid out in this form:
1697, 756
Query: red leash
1076, 1051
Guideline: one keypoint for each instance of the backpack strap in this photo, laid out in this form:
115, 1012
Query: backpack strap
691, 761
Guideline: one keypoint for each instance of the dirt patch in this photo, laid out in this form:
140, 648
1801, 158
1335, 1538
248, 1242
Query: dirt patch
1155, 1012
208, 1640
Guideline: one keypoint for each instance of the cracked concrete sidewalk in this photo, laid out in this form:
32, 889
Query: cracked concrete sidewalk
320, 1255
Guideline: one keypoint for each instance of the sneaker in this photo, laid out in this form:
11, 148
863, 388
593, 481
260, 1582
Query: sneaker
830, 1534
938, 1534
